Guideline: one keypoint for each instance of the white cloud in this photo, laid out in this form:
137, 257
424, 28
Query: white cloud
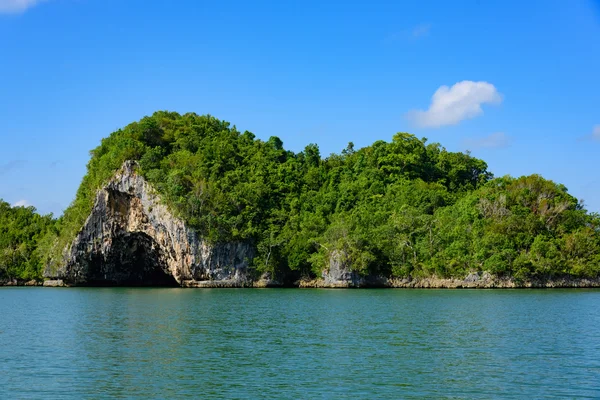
493, 141
16, 6
450, 105
596, 132
21, 203
421, 30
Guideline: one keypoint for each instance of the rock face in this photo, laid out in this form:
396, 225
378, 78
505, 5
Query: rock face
339, 273
131, 238
54, 283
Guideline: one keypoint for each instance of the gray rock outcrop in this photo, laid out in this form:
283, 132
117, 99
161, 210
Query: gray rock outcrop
131, 238
339, 273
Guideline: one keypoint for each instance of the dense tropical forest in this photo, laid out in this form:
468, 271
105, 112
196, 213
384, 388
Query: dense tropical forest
404, 208
22, 230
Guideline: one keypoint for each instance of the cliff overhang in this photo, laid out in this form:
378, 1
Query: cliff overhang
131, 238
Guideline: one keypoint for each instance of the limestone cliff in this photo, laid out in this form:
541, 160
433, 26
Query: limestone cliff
131, 238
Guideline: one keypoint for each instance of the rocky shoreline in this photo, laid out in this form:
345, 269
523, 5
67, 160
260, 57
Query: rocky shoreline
472, 281
19, 282
482, 282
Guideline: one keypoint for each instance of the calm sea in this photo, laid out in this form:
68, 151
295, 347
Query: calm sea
96, 343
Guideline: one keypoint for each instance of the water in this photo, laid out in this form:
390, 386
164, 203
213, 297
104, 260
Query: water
298, 344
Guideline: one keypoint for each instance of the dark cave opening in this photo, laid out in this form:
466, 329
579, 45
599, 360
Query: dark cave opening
135, 259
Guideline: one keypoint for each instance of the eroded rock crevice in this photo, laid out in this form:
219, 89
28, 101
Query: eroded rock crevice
134, 259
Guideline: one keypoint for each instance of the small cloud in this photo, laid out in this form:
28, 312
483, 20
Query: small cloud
451, 105
421, 30
17, 6
494, 141
596, 133
594, 136
9, 166
22, 203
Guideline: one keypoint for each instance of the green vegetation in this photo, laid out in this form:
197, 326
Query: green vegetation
21, 232
401, 208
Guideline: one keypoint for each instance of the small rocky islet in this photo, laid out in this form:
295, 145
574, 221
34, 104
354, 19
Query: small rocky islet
188, 201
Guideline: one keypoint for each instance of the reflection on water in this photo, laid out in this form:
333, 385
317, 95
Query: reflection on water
232, 343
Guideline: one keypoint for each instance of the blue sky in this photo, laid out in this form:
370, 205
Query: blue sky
516, 82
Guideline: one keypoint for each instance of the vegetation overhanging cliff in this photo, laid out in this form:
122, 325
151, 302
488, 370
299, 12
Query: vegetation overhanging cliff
130, 238
399, 209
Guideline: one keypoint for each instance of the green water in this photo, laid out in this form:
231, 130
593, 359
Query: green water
298, 344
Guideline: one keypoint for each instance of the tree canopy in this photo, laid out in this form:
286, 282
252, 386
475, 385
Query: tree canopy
21, 232
400, 208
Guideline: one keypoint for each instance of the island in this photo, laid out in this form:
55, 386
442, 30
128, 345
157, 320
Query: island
190, 201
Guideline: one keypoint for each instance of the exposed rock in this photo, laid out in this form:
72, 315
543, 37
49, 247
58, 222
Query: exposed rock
131, 238
339, 273
54, 283
472, 277
19, 282
473, 280
266, 281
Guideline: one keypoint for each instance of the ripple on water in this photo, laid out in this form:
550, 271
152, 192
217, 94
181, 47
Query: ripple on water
166, 343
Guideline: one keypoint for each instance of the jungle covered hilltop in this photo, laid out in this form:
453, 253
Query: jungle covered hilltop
399, 210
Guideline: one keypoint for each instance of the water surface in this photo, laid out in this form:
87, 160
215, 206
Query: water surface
298, 343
